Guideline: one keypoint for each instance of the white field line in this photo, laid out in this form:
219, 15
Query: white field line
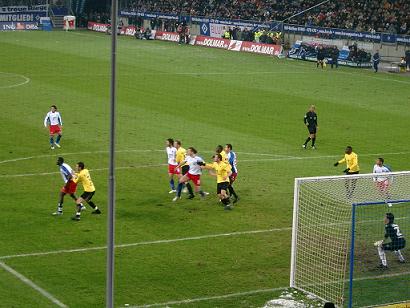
124, 151
200, 299
166, 241
273, 159
32, 284
208, 298
26, 80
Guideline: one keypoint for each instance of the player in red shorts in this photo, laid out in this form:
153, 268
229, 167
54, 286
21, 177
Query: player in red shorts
69, 187
54, 123
173, 168
194, 173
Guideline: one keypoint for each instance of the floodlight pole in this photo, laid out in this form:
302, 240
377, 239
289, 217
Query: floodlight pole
111, 172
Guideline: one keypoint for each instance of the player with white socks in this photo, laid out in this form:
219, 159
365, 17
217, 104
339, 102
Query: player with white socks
172, 163
382, 182
397, 241
54, 122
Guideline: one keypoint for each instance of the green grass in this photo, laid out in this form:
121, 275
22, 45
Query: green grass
204, 97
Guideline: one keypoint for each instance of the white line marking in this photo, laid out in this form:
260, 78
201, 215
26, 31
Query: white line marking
273, 159
97, 169
193, 300
208, 298
374, 77
32, 284
201, 237
73, 153
26, 80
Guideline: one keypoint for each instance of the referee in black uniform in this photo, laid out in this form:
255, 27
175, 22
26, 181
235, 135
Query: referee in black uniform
310, 121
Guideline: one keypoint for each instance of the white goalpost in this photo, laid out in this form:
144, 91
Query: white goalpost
336, 221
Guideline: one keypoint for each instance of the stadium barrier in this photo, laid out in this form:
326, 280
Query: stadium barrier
200, 40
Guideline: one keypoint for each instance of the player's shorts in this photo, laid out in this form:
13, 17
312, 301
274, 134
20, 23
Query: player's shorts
87, 195
383, 185
233, 177
195, 178
184, 169
69, 188
54, 129
395, 246
351, 173
312, 130
222, 186
172, 169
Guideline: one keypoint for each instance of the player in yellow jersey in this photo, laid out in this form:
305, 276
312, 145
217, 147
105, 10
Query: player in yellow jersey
220, 150
351, 160
83, 176
180, 158
222, 172
352, 167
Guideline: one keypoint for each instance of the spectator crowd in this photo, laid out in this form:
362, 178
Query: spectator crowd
390, 16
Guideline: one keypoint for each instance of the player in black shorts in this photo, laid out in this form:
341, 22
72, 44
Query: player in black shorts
397, 241
310, 121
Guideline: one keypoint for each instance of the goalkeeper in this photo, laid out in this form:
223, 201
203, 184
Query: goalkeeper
352, 161
396, 243
352, 167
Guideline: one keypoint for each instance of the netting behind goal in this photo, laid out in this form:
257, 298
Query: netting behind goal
323, 250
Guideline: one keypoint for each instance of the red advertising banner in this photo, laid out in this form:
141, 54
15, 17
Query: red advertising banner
264, 49
130, 31
167, 36
214, 42
95, 26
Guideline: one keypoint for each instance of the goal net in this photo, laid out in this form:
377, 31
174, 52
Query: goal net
336, 222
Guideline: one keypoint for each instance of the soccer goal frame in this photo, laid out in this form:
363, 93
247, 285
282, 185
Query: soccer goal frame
366, 195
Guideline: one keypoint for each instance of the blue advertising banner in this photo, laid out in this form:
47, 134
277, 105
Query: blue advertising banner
29, 16
334, 33
150, 15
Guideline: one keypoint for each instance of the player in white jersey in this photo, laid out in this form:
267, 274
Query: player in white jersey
194, 174
231, 157
172, 163
382, 181
69, 187
55, 123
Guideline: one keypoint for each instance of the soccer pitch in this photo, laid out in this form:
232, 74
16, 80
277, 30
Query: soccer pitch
172, 252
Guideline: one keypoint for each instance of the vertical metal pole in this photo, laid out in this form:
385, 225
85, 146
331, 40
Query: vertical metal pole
294, 233
352, 256
111, 175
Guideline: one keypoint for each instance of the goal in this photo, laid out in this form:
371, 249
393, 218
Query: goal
336, 221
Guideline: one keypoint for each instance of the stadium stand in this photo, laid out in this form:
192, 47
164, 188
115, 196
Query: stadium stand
368, 15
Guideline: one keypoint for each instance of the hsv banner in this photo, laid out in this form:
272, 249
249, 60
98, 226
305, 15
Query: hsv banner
212, 42
95, 26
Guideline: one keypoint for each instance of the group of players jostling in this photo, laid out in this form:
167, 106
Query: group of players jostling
187, 166
392, 230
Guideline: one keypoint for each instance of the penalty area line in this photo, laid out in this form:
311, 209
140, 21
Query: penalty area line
218, 297
166, 241
208, 298
31, 284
